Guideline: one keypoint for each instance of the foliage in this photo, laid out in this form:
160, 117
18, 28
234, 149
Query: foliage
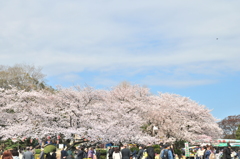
179, 144
9, 144
103, 152
178, 152
238, 133
229, 126
156, 146
157, 150
49, 148
37, 151
134, 149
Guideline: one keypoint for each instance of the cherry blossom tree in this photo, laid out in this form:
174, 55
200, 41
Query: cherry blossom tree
125, 113
180, 118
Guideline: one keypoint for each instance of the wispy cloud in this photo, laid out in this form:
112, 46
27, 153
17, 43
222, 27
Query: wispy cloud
189, 38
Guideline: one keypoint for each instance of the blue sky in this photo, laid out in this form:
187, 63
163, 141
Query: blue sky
184, 47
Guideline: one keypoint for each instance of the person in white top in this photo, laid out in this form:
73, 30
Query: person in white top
200, 153
117, 154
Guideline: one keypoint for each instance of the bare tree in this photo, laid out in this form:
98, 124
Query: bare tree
229, 126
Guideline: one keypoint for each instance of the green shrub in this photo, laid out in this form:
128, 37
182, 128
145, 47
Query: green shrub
178, 152
156, 146
103, 152
103, 157
134, 148
37, 151
157, 150
49, 148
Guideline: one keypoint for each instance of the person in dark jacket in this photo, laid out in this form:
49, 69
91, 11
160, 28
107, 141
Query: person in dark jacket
48, 156
80, 153
110, 152
54, 155
126, 153
150, 152
98, 153
85, 152
227, 152
63, 154
140, 152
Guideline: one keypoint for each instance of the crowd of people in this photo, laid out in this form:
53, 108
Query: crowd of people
28, 153
210, 152
117, 152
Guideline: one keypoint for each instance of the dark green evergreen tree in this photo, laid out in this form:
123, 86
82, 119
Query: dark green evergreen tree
238, 133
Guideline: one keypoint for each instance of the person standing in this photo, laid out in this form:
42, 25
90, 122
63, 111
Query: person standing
207, 153
150, 152
98, 153
54, 155
7, 155
28, 154
41, 156
63, 154
238, 154
80, 153
90, 152
200, 153
126, 153
227, 152
33, 151
140, 152
166, 153
110, 152
15, 154
85, 153
117, 154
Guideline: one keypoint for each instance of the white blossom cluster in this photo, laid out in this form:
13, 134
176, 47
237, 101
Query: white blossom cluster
126, 113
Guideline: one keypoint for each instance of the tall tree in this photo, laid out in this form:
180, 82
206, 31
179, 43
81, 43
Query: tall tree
229, 126
21, 76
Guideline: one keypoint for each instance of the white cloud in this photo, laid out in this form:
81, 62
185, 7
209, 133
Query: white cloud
74, 36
